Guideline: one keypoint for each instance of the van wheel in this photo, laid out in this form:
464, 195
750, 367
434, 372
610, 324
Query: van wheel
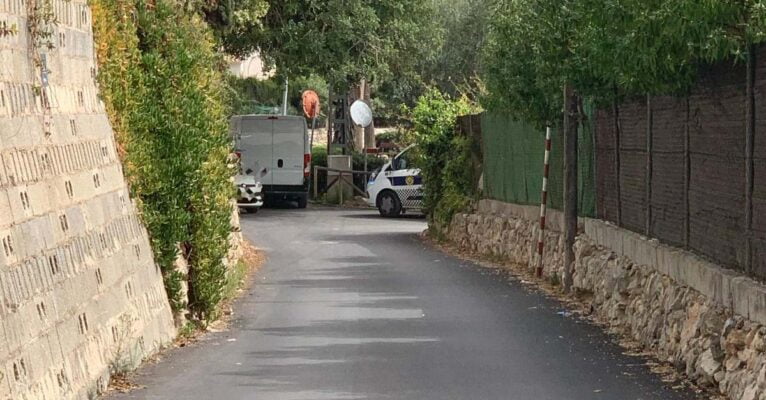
389, 204
303, 201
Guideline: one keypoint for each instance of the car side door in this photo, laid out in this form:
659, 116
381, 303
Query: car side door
407, 183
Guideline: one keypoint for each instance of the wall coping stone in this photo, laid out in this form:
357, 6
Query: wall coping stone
730, 289
554, 219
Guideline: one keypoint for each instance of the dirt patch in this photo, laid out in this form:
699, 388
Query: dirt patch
121, 383
252, 260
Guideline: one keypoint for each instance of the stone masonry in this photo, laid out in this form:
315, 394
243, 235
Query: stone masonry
80, 295
710, 323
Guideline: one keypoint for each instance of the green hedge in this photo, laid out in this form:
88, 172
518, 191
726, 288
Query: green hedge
162, 82
443, 156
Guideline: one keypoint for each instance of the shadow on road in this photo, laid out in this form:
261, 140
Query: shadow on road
375, 215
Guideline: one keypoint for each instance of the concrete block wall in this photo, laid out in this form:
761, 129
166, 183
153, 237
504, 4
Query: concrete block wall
80, 293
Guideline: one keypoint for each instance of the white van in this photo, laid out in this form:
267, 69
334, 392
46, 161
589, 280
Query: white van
275, 150
397, 187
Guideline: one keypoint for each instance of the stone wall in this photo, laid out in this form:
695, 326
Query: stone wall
79, 291
705, 320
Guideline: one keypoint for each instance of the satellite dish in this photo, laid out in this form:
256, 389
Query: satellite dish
361, 114
310, 103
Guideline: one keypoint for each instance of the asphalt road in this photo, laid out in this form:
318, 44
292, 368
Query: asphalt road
352, 306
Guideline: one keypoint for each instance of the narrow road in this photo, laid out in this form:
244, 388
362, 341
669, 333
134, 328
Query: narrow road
352, 306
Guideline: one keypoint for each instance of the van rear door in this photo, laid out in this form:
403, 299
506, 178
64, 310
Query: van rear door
289, 149
256, 147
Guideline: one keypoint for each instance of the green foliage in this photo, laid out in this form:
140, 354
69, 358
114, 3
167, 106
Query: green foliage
527, 59
443, 157
607, 47
41, 24
457, 28
253, 96
236, 24
345, 41
457, 184
456, 67
319, 159
160, 77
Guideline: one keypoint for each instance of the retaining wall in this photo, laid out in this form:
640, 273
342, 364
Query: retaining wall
79, 291
705, 320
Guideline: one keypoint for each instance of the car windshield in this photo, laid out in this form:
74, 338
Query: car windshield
404, 160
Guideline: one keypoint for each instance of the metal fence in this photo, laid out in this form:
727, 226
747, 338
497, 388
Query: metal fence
513, 163
690, 170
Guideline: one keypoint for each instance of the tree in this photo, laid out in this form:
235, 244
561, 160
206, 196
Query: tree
458, 30
235, 23
633, 47
456, 68
602, 49
530, 55
346, 41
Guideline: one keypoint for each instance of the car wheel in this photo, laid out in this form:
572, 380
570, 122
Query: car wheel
389, 204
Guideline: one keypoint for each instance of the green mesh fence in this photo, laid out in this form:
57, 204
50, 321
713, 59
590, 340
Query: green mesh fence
513, 163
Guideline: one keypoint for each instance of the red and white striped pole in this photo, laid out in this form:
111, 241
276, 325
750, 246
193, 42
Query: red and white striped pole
543, 203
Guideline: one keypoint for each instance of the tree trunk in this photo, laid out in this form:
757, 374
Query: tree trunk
369, 132
330, 118
571, 125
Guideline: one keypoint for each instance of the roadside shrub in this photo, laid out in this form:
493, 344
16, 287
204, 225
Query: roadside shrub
457, 183
319, 159
162, 82
443, 156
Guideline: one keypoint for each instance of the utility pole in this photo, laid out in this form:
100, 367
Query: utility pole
358, 94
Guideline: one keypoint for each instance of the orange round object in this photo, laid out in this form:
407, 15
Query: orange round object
310, 103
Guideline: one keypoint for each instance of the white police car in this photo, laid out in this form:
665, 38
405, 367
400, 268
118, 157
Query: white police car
396, 187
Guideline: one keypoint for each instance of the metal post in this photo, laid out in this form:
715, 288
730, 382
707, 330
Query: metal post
364, 148
543, 203
284, 101
330, 119
340, 182
649, 166
617, 167
687, 174
313, 126
316, 180
749, 154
